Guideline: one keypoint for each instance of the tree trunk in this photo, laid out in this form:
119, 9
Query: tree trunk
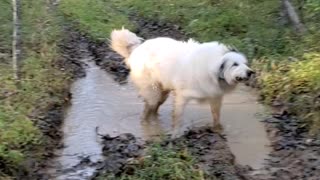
15, 39
293, 17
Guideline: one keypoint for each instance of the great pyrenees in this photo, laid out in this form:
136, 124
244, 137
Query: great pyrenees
191, 70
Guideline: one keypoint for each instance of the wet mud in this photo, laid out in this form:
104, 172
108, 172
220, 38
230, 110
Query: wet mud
295, 155
50, 119
210, 149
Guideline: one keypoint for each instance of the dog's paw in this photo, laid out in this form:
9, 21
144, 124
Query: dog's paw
175, 134
218, 128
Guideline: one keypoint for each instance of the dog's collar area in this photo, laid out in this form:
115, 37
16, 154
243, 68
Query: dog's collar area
221, 70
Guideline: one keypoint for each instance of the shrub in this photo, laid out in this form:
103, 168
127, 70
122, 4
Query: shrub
297, 84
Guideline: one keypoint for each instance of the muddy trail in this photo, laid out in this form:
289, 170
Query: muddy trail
104, 102
102, 132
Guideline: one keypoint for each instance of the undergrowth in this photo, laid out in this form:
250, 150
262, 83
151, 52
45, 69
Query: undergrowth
5, 29
161, 162
41, 85
255, 27
297, 86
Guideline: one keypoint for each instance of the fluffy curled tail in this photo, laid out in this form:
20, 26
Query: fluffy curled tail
124, 42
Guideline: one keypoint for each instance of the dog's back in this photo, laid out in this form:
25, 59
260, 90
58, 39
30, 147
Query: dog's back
159, 58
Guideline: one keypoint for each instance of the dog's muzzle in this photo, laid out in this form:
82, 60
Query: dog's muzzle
248, 76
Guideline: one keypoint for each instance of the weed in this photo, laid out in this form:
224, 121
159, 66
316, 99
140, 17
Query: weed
161, 162
297, 85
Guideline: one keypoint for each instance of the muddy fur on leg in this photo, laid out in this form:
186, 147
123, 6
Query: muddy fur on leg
154, 96
178, 107
215, 105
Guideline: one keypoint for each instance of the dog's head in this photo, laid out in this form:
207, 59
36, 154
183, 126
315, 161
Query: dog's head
234, 68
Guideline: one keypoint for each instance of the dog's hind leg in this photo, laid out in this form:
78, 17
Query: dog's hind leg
162, 98
179, 105
154, 97
215, 110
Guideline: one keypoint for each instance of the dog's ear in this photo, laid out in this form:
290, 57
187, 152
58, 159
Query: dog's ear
221, 71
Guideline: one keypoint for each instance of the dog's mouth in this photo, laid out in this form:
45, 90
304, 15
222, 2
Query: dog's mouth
248, 76
242, 79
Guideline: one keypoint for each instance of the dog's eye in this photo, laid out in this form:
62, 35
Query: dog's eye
235, 64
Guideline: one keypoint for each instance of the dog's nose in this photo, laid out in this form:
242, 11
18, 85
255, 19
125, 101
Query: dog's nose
239, 78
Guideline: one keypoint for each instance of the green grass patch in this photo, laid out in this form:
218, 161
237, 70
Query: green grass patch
297, 85
253, 26
161, 162
5, 27
237, 22
42, 85
96, 17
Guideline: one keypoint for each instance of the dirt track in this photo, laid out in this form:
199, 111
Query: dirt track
211, 149
295, 155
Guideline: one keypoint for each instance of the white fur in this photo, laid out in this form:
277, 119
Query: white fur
124, 41
191, 69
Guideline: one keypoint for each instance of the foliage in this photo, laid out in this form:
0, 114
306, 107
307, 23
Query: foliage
5, 26
41, 85
297, 85
162, 162
236, 22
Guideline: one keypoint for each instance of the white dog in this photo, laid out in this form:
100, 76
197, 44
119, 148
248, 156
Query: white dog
193, 71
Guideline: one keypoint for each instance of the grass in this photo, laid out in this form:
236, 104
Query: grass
5, 27
230, 21
161, 162
96, 17
297, 85
42, 84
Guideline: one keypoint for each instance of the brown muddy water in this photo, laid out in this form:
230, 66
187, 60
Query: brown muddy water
98, 101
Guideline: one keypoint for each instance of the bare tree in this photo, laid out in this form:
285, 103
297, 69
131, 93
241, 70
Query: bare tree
15, 39
293, 16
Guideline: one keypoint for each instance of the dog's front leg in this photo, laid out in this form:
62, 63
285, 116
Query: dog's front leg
179, 105
215, 110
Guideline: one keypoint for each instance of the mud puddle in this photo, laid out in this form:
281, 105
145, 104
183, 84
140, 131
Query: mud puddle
97, 101
100, 105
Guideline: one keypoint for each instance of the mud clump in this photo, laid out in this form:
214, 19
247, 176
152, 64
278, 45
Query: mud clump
148, 29
210, 149
118, 152
296, 155
71, 54
110, 61
213, 154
